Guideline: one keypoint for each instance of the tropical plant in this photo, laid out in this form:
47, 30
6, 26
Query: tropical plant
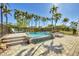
21, 17
29, 18
1, 7
6, 11
57, 17
53, 11
65, 20
74, 27
37, 18
44, 20
17, 16
50, 26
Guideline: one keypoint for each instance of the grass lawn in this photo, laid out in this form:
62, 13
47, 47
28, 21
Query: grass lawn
67, 32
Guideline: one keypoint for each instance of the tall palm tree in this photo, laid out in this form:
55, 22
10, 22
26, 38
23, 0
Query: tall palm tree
40, 18
73, 24
29, 17
74, 27
44, 20
57, 17
17, 16
47, 19
1, 7
22, 17
6, 11
53, 11
36, 19
65, 20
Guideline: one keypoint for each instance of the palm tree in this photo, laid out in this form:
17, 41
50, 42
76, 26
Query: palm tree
1, 7
74, 27
57, 17
35, 19
17, 16
29, 17
47, 19
53, 11
22, 17
44, 20
40, 18
65, 20
6, 11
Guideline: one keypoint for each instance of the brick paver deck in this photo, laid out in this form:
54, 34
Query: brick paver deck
70, 45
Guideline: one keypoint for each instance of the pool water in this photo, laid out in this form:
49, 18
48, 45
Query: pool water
38, 37
37, 34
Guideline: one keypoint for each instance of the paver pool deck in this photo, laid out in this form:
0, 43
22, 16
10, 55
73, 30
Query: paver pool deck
69, 43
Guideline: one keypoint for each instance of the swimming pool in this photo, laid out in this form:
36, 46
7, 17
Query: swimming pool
36, 37
37, 34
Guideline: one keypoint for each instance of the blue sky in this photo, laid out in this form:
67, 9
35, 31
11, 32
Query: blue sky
69, 10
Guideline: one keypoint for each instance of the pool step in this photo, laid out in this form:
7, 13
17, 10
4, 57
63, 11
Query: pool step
16, 43
14, 37
12, 40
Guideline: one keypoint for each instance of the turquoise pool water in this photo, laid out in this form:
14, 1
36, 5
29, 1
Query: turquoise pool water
37, 34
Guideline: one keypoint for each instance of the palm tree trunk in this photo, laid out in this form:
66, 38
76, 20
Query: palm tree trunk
39, 23
1, 21
6, 23
52, 22
55, 25
35, 23
30, 23
52, 25
6, 16
6, 20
